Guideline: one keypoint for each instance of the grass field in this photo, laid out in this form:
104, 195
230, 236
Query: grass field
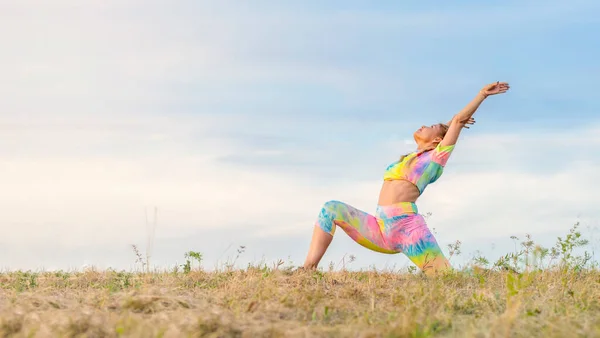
524, 294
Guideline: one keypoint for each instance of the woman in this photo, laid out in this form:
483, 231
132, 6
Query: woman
397, 225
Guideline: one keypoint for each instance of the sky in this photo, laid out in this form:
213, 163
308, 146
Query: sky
238, 121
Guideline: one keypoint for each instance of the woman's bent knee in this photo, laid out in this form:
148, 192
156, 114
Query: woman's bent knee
327, 216
332, 205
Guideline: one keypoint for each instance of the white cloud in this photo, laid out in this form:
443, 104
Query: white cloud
57, 189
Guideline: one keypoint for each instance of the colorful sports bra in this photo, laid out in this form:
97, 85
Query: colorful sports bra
420, 169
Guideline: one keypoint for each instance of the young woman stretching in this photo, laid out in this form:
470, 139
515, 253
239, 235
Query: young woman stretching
397, 225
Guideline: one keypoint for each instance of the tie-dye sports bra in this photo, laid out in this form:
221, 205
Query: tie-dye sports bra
420, 169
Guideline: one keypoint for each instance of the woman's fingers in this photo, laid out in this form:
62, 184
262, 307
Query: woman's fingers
471, 120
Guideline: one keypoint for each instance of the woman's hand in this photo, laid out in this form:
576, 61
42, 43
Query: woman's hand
465, 116
494, 88
469, 121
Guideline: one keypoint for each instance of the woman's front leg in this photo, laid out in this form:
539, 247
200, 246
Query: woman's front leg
318, 245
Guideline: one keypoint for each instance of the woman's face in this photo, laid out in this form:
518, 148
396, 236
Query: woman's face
428, 133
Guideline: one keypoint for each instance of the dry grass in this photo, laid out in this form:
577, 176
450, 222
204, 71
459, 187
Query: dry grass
261, 302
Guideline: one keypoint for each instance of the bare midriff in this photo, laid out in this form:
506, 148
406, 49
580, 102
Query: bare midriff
396, 191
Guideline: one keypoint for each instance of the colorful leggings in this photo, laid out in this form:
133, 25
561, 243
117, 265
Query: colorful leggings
395, 228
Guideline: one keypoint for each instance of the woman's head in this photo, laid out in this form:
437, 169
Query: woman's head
428, 136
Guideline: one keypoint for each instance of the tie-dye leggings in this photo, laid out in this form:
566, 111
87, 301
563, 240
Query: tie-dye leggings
395, 228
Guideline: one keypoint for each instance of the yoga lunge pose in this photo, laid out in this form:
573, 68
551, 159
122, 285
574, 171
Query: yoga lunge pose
397, 225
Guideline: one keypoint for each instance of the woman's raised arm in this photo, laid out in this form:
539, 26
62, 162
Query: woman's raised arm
459, 120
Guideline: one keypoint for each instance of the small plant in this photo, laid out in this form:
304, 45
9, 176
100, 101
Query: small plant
351, 258
527, 245
278, 264
533, 257
189, 256
139, 258
240, 250
564, 249
454, 249
150, 229
539, 255
481, 261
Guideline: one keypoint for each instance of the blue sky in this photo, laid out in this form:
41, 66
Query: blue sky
239, 121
